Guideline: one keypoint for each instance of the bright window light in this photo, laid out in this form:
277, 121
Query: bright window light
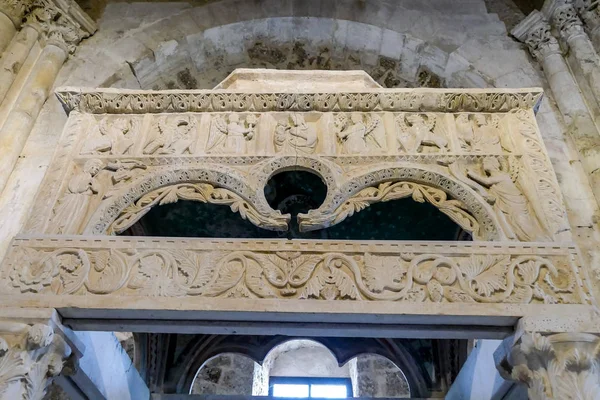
329, 391
290, 390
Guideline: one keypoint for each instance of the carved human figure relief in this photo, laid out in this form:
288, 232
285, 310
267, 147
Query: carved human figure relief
230, 134
481, 133
112, 136
421, 132
172, 135
513, 209
295, 134
358, 133
86, 189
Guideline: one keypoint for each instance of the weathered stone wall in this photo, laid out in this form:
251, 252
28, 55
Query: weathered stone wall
226, 374
376, 376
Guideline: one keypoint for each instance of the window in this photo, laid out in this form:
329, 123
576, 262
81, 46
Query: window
331, 388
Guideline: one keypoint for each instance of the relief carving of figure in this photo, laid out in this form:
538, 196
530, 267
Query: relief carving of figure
172, 136
512, 207
359, 134
72, 208
481, 133
418, 131
230, 137
295, 135
112, 137
85, 189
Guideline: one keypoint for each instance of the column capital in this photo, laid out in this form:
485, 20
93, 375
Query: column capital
31, 355
15, 9
61, 26
535, 32
589, 12
557, 366
564, 18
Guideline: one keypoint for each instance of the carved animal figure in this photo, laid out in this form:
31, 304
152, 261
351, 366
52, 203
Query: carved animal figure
294, 135
172, 136
419, 130
357, 134
230, 137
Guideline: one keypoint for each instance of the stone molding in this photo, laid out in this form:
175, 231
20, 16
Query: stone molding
30, 357
536, 33
560, 366
99, 101
483, 272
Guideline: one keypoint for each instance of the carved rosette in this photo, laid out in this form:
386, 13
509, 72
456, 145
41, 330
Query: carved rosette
30, 357
562, 366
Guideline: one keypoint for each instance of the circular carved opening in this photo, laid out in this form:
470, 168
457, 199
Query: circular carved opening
295, 192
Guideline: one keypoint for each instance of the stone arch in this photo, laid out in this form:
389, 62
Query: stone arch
171, 58
197, 183
382, 184
205, 347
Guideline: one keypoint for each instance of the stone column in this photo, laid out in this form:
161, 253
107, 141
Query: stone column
584, 59
534, 31
60, 33
31, 356
11, 15
28, 105
14, 57
590, 14
561, 366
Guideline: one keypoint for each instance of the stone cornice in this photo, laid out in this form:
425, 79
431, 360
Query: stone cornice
535, 32
98, 101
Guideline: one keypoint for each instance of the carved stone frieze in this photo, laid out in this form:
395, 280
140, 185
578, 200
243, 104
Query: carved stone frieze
30, 357
488, 164
386, 271
132, 102
560, 366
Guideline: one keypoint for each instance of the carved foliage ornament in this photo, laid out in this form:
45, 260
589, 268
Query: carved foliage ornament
202, 192
58, 27
388, 191
562, 366
29, 361
429, 275
99, 102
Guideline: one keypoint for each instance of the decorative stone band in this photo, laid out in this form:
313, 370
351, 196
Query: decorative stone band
444, 272
99, 101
